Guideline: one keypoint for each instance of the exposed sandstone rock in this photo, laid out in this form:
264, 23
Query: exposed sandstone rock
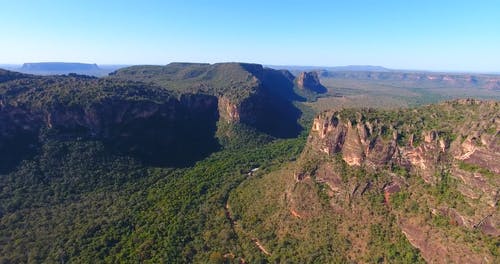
330, 134
433, 249
476, 186
309, 81
228, 111
453, 147
428, 153
353, 147
374, 144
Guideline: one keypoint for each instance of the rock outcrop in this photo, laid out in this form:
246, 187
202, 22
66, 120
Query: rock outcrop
309, 81
453, 147
372, 144
364, 139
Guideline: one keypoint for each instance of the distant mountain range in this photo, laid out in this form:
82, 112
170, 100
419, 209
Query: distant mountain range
92, 69
410, 78
294, 68
58, 68
368, 68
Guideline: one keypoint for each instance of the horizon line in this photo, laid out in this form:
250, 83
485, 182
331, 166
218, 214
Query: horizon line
313, 67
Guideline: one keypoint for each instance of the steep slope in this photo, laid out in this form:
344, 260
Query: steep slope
170, 118
418, 140
114, 170
453, 147
6, 75
247, 93
384, 182
141, 120
309, 81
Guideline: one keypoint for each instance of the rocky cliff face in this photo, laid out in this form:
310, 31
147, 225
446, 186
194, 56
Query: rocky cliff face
372, 142
309, 81
134, 119
453, 147
148, 120
247, 93
174, 132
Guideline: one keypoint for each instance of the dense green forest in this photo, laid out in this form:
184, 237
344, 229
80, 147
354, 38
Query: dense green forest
152, 165
75, 202
69, 196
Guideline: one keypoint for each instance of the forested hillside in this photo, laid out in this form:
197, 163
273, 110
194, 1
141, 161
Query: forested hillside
228, 163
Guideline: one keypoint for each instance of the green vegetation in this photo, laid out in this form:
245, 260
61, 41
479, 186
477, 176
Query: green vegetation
295, 221
475, 168
399, 252
74, 90
83, 204
77, 197
233, 80
73, 196
441, 119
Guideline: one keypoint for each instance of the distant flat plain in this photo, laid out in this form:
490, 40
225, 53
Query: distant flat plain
389, 94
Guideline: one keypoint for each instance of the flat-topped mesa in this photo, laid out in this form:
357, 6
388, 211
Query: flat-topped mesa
133, 118
247, 93
154, 111
59, 66
309, 81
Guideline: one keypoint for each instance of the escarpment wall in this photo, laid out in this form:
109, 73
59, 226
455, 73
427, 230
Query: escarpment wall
174, 132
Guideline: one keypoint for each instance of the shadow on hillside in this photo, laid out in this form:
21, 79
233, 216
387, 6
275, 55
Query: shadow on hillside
279, 116
320, 89
160, 142
21, 145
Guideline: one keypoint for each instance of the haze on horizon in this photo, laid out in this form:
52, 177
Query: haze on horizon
424, 35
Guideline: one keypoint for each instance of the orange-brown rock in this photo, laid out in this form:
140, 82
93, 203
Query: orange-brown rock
309, 81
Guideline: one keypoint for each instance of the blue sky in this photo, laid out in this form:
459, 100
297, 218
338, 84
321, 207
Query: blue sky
433, 35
